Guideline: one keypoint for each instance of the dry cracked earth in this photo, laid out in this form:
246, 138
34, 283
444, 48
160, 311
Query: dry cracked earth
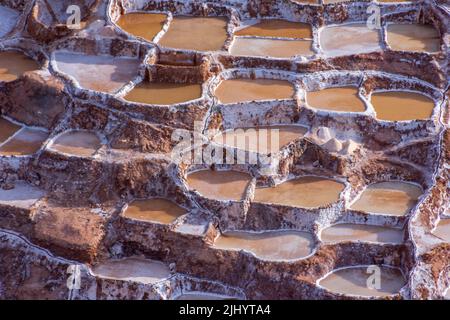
114, 132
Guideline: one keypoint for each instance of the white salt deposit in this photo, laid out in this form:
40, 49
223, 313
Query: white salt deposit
22, 196
98, 73
8, 18
132, 269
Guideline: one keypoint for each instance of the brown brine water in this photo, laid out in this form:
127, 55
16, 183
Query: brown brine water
77, 143
413, 37
244, 90
154, 210
390, 198
270, 245
305, 192
356, 281
26, 142
132, 269
196, 33
13, 64
264, 139
164, 93
219, 185
277, 48
402, 106
7, 129
144, 25
336, 99
277, 28
360, 232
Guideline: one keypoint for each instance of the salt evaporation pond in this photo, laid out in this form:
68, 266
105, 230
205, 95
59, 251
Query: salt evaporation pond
154, 210
164, 93
99, 73
244, 90
13, 64
219, 185
144, 25
259, 139
413, 37
402, 106
305, 192
349, 39
391, 198
77, 143
361, 232
269, 245
196, 33
132, 269
354, 281
345, 99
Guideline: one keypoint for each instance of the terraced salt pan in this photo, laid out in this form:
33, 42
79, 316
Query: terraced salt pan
304, 192
219, 185
277, 48
349, 39
264, 139
27, 141
13, 64
443, 230
144, 25
8, 19
402, 106
22, 196
278, 29
164, 93
413, 37
270, 245
154, 210
244, 90
336, 99
77, 143
196, 33
98, 73
354, 281
390, 198
132, 269
360, 232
